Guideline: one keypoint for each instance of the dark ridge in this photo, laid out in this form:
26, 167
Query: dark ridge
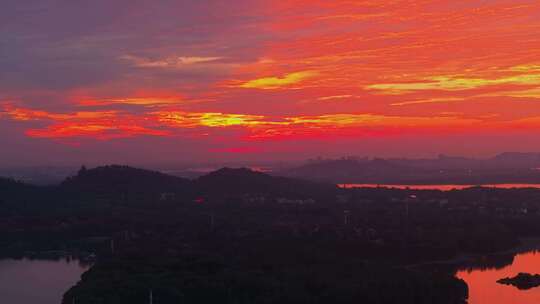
130, 183
228, 181
116, 179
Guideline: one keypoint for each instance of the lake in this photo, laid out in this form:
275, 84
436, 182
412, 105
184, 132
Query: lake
484, 289
44, 281
37, 281
444, 187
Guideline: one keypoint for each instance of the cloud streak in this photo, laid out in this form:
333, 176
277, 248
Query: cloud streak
286, 81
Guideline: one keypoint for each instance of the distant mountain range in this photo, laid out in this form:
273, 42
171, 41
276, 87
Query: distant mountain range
316, 177
503, 168
127, 183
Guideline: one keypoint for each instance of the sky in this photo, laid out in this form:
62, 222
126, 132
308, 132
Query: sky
192, 81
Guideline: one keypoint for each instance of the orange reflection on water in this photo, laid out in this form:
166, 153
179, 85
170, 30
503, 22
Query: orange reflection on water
444, 187
484, 289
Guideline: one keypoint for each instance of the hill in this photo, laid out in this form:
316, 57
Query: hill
229, 181
124, 181
129, 183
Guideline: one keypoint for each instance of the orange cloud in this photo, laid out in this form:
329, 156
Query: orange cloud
429, 100
98, 130
114, 124
334, 97
146, 101
453, 83
23, 114
269, 83
191, 120
97, 124
174, 62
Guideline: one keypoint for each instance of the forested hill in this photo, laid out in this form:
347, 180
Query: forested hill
128, 184
124, 180
229, 181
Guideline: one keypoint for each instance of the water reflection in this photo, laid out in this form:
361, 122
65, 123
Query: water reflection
445, 187
28, 281
482, 280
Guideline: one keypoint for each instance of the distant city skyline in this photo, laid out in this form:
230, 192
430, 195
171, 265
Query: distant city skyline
143, 82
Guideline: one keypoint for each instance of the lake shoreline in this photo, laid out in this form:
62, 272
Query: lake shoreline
38, 281
484, 277
435, 187
528, 244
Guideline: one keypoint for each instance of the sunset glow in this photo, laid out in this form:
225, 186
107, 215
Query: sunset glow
265, 72
263, 151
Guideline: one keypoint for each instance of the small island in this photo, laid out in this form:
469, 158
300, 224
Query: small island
522, 281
